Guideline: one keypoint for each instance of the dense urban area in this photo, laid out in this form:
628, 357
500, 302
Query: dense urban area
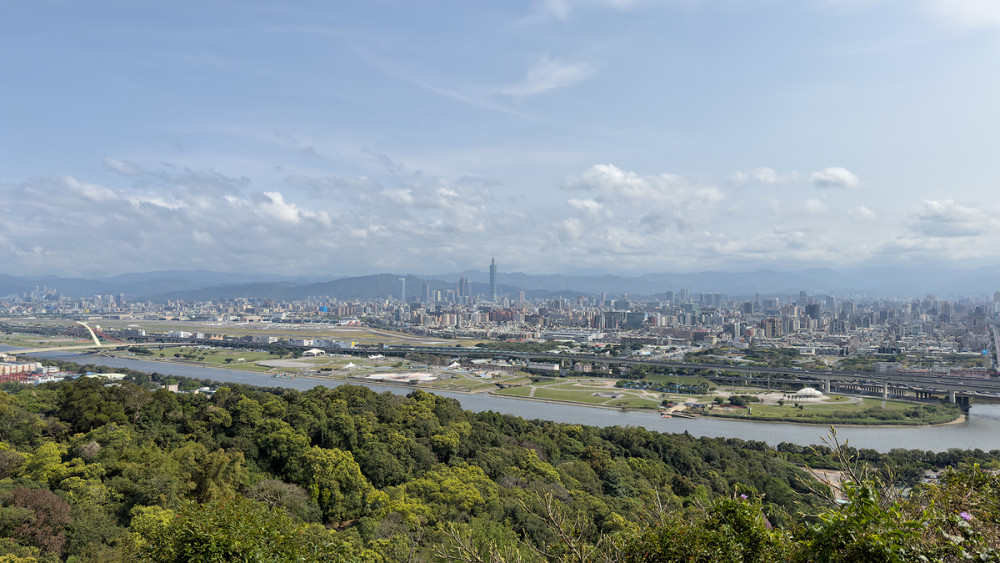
949, 336
117, 464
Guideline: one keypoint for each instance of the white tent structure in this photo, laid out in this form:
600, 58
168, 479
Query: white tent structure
808, 394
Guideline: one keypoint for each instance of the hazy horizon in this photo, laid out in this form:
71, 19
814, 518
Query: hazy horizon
562, 136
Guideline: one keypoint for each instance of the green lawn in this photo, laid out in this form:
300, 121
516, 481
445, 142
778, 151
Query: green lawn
824, 408
25, 340
580, 395
463, 384
522, 391
635, 403
892, 412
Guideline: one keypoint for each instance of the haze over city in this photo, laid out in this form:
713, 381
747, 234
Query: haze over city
561, 136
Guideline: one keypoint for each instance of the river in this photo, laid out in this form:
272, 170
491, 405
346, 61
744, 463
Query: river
981, 428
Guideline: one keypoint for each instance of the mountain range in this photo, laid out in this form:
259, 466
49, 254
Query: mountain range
202, 285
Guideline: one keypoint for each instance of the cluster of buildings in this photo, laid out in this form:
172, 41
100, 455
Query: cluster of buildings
815, 325
821, 325
24, 372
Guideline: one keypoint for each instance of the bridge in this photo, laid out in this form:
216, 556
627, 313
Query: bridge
961, 390
97, 345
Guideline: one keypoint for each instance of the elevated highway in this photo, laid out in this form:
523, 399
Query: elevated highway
962, 390
886, 385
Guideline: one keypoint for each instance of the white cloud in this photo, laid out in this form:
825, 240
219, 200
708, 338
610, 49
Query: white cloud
612, 183
570, 229
967, 13
557, 8
401, 197
834, 177
585, 205
121, 167
275, 206
561, 9
203, 238
814, 206
93, 192
631, 218
949, 219
155, 201
862, 213
549, 74
763, 175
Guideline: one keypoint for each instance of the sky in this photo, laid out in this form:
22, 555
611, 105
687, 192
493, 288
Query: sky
560, 136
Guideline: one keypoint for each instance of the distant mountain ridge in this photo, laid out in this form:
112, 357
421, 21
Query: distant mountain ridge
899, 282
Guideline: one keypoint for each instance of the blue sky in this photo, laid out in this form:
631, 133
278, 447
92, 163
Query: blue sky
622, 136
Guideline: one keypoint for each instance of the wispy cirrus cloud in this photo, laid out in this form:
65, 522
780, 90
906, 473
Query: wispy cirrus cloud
545, 10
550, 73
966, 13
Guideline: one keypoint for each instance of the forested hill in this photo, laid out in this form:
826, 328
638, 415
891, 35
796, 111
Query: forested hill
121, 473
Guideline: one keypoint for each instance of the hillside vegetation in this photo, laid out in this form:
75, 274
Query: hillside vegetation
122, 473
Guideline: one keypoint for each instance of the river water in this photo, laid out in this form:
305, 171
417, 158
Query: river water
980, 430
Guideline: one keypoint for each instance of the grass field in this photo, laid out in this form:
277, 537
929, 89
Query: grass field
634, 403
842, 412
24, 340
463, 384
569, 395
579, 390
789, 408
522, 391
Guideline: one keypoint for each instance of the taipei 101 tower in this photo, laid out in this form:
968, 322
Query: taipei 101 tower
493, 280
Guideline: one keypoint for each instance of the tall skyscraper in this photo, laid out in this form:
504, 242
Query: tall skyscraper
402, 290
493, 280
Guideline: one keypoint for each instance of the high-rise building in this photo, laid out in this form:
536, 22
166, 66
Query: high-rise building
772, 327
402, 290
493, 280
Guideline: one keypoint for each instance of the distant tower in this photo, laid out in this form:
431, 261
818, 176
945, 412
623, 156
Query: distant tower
402, 290
493, 280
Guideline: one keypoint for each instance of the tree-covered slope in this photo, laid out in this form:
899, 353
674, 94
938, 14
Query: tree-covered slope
118, 473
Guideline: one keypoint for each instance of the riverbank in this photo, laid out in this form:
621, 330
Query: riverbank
265, 380
981, 430
962, 418
573, 403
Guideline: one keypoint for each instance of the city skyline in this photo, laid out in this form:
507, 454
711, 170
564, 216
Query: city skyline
561, 136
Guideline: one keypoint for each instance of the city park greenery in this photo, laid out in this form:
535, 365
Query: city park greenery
96, 472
